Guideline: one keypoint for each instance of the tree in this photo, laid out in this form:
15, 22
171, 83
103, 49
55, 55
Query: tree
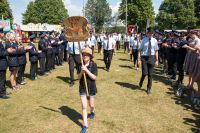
176, 14
197, 12
5, 10
45, 11
139, 12
98, 13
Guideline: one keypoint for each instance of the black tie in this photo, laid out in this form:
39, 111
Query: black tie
108, 44
149, 47
73, 48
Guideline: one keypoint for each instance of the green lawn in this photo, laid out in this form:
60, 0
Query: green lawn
49, 105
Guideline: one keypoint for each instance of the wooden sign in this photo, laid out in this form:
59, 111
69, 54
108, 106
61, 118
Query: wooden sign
76, 28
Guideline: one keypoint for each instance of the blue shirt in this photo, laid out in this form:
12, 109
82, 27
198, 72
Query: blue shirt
145, 44
76, 48
110, 45
126, 38
132, 40
136, 44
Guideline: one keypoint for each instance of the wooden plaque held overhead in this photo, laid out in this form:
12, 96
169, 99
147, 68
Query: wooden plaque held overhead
76, 28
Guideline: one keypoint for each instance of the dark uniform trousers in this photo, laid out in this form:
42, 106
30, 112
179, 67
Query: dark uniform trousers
126, 46
33, 70
118, 45
74, 59
148, 63
21, 71
42, 65
108, 54
2, 81
53, 58
48, 62
99, 46
135, 57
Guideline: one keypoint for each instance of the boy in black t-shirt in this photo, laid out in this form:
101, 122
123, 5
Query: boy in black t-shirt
90, 69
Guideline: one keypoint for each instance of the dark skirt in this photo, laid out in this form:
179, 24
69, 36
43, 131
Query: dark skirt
196, 73
190, 62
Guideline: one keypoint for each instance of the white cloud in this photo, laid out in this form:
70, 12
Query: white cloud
73, 9
115, 8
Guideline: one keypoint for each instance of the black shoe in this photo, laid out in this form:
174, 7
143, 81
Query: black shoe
148, 91
4, 96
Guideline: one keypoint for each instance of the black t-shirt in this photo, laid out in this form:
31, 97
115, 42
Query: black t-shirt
92, 67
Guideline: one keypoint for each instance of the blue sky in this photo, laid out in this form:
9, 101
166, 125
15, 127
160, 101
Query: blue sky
74, 7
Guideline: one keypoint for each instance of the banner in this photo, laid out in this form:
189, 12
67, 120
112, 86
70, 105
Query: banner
41, 27
76, 28
5, 24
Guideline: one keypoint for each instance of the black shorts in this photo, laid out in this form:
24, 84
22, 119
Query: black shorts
13, 68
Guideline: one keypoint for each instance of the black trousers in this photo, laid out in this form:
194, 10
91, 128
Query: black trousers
148, 64
20, 75
118, 45
33, 70
61, 56
108, 54
65, 55
180, 69
126, 46
99, 46
74, 62
48, 62
172, 67
135, 57
42, 62
2, 82
53, 57
92, 47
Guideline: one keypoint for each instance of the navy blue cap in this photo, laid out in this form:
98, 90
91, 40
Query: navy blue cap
1, 30
150, 29
32, 36
43, 34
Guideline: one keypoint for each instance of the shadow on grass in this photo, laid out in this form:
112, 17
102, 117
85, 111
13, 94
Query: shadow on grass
129, 86
125, 66
187, 104
100, 59
69, 112
65, 79
103, 68
121, 59
182, 101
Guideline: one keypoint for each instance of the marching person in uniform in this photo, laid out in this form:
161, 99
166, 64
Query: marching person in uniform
22, 60
33, 57
74, 58
48, 54
148, 54
132, 38
3, 65
92, 42
42, 55
99, 43
90, 69
13, 62
108, 46
126, 43
53, 45
135, 47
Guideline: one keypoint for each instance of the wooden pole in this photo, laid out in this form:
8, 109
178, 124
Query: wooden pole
84, 76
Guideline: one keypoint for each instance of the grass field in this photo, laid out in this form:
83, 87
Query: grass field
49, 105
